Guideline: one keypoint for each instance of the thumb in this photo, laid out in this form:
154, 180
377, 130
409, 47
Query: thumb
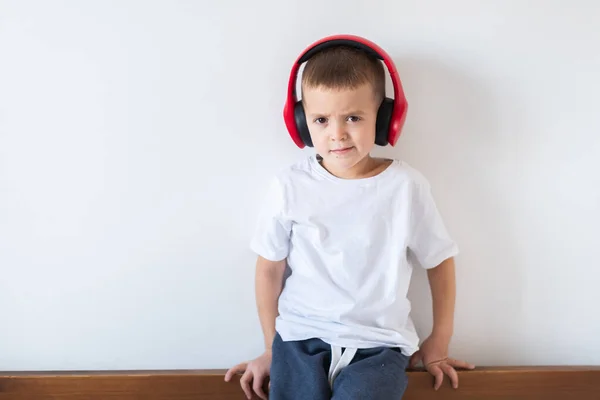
235, 370
416, 358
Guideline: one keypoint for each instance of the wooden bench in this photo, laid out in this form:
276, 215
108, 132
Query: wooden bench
514, 383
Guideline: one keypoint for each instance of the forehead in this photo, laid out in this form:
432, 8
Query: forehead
322, 100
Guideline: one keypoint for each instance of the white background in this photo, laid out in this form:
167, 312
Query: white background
137, 138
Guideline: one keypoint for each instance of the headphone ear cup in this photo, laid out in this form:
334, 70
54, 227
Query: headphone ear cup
382, 126
301, 124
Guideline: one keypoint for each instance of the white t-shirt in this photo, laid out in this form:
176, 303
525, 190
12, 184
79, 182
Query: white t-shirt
350, 244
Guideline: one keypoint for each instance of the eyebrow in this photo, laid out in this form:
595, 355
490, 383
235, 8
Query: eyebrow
351, 112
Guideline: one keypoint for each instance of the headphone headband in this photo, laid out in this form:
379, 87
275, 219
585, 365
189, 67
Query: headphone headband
399, 107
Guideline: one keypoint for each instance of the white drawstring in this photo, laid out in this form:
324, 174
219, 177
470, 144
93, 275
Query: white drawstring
339, 361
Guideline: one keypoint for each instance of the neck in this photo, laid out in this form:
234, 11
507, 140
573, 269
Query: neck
365, 168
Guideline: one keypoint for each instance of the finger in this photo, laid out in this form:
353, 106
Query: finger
415, 359
245, 383
436, 371
460, 364
448, 370
235, 370
258, 387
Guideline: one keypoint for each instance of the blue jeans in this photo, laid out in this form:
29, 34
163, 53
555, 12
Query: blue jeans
299, 371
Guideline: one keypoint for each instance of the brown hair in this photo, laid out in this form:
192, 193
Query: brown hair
344, 67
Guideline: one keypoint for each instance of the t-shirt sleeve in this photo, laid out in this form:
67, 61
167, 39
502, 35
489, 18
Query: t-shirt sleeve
429, 239
271, 238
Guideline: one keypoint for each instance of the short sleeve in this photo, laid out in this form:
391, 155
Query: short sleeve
271, 238
429, 240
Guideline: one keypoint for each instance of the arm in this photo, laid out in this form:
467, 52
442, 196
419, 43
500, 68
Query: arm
269, 282
434, 350
442, 283
429, 239
271, 241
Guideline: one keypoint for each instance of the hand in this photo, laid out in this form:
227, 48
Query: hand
434, 355
254, 372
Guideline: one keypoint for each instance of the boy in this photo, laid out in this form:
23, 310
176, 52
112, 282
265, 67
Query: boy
349, 227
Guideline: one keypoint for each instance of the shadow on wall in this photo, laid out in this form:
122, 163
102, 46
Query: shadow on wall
454, 135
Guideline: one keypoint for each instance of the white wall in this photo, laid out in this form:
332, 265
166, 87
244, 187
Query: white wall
136, 139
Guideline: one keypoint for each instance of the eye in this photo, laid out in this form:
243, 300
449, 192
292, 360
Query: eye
354, 118
320, 120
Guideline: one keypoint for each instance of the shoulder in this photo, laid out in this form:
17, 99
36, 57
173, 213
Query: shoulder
297, 171
302, 166
290, 176
406, 174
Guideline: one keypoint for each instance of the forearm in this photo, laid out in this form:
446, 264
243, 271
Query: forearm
269, 282
442, 283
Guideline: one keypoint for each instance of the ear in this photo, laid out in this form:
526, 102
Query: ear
384, 116
301, 124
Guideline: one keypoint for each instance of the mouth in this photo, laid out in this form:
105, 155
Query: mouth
341, 151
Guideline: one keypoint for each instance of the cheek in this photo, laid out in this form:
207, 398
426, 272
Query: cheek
363, 137
322, 146
320, 141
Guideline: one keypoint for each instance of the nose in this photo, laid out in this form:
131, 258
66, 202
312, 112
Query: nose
338, 132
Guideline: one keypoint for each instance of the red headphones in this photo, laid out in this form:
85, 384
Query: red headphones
390, 116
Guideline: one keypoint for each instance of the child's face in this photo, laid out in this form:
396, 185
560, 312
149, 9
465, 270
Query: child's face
341, 125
